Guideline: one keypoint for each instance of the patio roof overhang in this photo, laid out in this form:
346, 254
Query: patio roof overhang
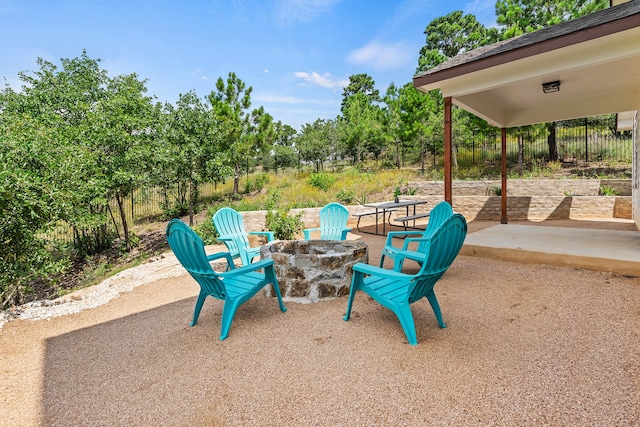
598, 68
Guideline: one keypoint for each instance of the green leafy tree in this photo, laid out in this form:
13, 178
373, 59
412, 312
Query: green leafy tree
314, 143
360, 127
362, 84
525, 16
449, 35
421, 120
284, 154
230, 103
194, 140
30, 203
122, 127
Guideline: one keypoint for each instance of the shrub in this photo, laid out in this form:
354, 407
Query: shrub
206, 230
321, 180
283, 225
257, 183
608, 191
278, 220
346, 197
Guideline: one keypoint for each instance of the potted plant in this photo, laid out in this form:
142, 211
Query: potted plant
396, 194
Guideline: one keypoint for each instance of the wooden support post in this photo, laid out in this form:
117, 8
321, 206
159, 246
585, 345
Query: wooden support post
503, 215
447, 151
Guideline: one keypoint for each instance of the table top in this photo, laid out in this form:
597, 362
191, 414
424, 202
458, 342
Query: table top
392, 204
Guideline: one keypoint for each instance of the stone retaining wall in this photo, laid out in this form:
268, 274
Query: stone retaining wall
526, 187
536, 208
528, 199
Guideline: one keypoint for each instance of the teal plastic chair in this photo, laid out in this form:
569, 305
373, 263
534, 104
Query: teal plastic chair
230, 227
333, 223
397, 291
234, 286
437, 216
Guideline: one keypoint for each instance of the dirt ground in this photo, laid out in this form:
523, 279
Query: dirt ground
525, 345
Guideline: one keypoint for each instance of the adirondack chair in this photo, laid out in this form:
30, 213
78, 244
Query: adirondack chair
230, 227
438, 215
333, 223
234, 286
397, 291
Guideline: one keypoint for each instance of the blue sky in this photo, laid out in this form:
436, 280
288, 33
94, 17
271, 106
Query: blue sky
296, 54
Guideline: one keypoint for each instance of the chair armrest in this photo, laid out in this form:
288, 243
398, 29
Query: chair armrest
219, 255
392, 234
345, 231
269, 234
264, 263
377, 271
410, 240
307, 232
413, 255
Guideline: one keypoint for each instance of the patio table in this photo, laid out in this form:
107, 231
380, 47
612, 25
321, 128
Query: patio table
384, 207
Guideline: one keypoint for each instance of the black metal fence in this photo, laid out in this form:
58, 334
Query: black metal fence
593, 140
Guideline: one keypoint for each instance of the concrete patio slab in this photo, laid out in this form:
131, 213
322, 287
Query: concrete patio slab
603, 250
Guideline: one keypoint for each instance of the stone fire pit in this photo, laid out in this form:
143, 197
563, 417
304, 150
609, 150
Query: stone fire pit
314, 270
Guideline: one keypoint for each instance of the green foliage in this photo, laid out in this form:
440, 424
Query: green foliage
525, 16
278, 219
206, 230
450, 35
346, 196
322, 181
608, 191
177, 210
257, 183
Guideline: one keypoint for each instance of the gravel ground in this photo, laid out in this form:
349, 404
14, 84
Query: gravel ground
526, 345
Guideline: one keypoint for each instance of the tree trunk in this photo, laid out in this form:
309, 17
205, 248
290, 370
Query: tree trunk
236, 179
520, 155
553, 143
123, 218
193, 198
423, 156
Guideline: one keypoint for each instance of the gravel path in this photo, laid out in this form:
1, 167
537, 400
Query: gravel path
525, 345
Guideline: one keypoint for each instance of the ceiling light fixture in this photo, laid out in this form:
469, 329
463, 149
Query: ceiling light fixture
551, 86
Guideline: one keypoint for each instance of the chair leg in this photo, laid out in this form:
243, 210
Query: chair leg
228, 311
356, 279
196, 313
405, 316
270, 276
431, 296
382, 260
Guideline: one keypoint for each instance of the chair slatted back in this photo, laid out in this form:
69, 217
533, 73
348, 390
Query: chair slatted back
189, 249
333, 221
443, 247
437, 216
229, 223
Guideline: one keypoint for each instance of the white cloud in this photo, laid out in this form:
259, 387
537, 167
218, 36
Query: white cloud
266, 71
382, 56
325, 80
279, 99
291, 11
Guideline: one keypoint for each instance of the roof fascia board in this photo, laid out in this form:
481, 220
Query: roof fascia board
430, 81
602, 50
